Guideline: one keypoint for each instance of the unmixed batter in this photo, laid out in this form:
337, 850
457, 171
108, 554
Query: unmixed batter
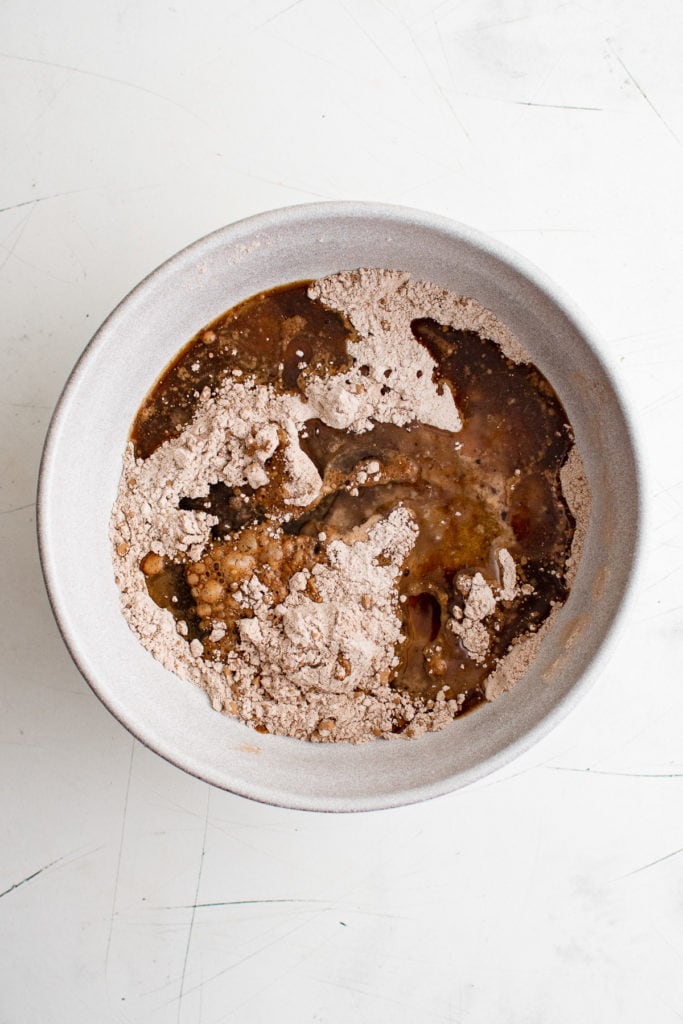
342, 510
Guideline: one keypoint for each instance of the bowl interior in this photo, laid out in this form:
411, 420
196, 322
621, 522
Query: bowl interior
82, 465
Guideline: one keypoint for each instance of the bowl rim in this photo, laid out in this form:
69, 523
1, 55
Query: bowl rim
481, 241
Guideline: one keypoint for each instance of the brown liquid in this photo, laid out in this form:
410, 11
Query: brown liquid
494, 484
261, 336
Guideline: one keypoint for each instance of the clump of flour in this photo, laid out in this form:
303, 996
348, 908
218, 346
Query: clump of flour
480, 603
339, 642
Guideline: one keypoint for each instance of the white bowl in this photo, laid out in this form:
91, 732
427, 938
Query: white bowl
82, 464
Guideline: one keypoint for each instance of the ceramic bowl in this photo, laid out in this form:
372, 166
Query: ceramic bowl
82, 464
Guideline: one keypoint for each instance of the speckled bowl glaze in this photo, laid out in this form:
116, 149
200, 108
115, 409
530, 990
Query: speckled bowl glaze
83, 457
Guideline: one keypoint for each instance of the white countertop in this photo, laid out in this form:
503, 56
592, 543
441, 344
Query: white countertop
548, 893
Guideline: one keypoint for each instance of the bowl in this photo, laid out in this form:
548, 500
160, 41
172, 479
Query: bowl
82, 464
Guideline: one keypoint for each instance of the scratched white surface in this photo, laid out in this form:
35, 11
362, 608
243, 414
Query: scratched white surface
551, 892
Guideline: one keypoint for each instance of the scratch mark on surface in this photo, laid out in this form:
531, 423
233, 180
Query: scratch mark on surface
531, 103
513, 21
423, 184
170, 982
662, 613
552, 106
674, 949
29, 128
645, 96
442, 44
541, 230
34, 266
19, 508
105, 78
375, 131
547, 77
241, 903
327, 60
385, 999
50, 103
439, 6
29, 878
55, 195
242, 960
25, 202
21, 743
504, 21
652, 863
120, 855
278, 14
182, 992
255, 848
668, 490
174, 803
25, 405
275, 977
485, 783
649, 333
673, 572
279, 184
626, 775
437, 84
303, 902
663, 399
314, 913
15, 243
310, 915
373, 42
